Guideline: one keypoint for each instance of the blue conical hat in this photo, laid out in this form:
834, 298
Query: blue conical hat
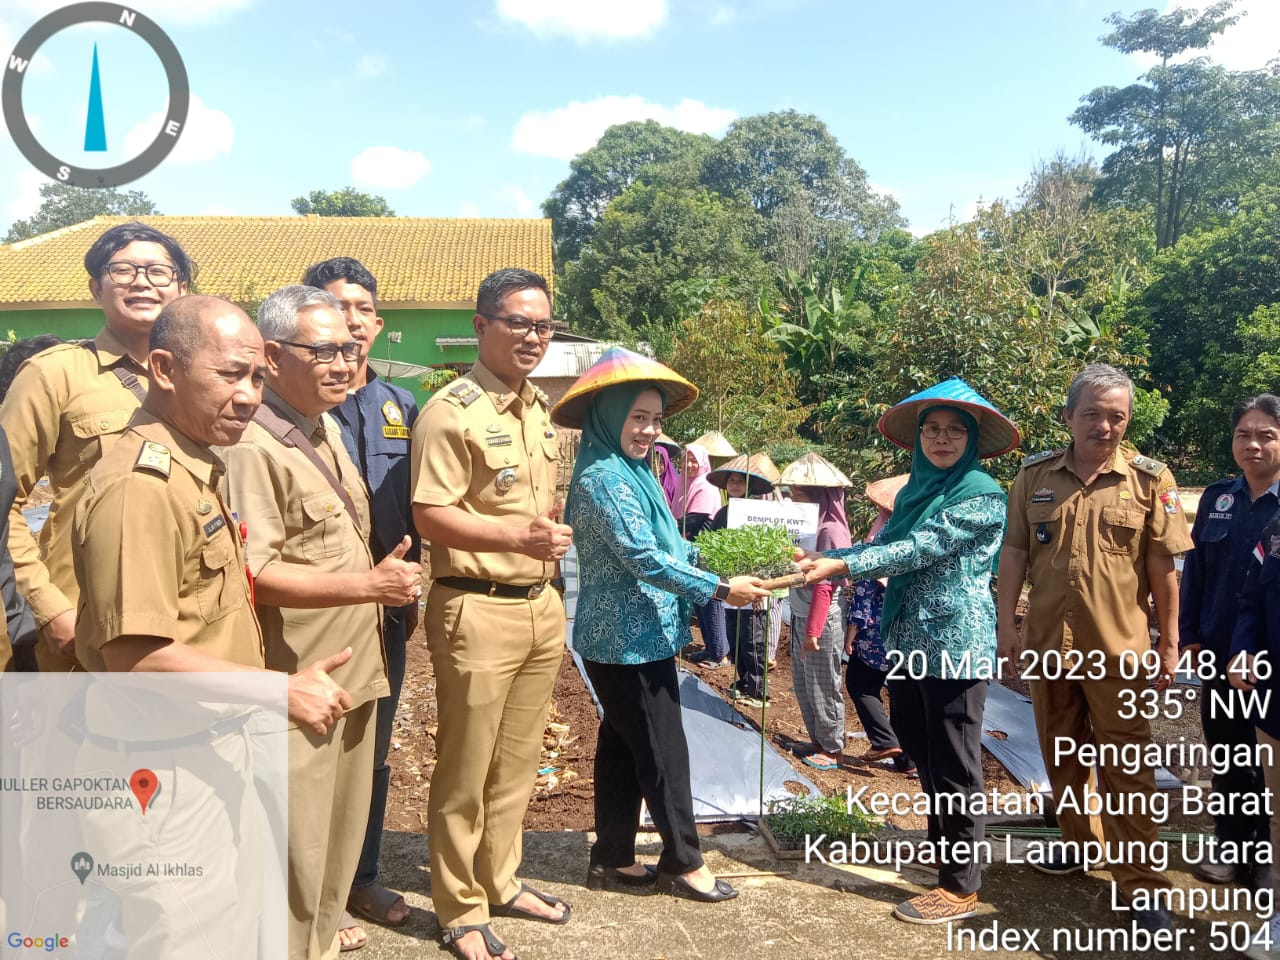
997, 434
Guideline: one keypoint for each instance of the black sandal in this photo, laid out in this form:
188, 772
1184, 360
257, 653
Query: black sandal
449, 940
509, 909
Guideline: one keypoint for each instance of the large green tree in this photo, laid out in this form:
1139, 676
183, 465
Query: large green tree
624, 154
797, 176
651, 244
62, 205
347, 202
1191, 136
1211, 315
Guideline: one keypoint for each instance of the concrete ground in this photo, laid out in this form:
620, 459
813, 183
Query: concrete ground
786, 908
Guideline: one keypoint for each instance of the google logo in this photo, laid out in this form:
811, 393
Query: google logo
47, 944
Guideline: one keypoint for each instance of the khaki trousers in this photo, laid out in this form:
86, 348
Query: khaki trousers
330, 779
495, 663
1088, 711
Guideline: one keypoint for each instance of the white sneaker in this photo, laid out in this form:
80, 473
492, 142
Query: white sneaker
1267, 951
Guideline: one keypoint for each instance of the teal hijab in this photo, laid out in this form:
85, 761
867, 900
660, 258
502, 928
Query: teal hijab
930, 490
602, 447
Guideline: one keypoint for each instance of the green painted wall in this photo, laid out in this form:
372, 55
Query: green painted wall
67, 324
419, 330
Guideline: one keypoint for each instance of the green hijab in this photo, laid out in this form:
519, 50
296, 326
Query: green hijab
602, 446
930, 490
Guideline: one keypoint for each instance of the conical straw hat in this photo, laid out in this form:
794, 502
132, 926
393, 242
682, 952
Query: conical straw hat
672, 447
997, 434
814, 470
716, 445
756, 482
883, 492
762, 464
618, 365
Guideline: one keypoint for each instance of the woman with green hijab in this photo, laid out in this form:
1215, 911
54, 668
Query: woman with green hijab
938, 623
637, 581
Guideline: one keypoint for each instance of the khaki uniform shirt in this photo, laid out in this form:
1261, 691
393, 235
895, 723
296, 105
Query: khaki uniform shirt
295, 517
157, 554
479, 446
63, 412
1087, 550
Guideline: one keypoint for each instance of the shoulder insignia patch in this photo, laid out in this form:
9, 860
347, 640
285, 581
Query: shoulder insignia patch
1038, 457
154, 457
1147, 465
464, 392
541, 395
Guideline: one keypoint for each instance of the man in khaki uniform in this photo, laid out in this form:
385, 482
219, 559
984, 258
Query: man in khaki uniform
68, 405
1095, 529
484, 478
291, 481
153, 498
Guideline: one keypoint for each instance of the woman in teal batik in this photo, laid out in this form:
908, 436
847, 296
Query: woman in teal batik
637, 581
938, 622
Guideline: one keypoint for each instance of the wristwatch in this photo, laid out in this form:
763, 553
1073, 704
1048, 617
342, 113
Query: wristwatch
722, 591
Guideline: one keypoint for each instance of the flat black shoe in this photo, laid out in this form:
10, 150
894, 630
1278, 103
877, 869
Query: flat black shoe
599, 876
676, 885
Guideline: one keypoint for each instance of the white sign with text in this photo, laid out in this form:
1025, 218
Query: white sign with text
801, 519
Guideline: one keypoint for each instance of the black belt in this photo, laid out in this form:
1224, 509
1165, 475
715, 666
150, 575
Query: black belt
491, 588
215, 731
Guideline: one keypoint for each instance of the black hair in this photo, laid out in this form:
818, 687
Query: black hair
18, 353
118, 237
500, 284
1267, 403
340, 268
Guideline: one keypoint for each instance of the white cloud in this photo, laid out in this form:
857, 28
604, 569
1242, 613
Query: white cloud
586, 20
40, 65
26, 198
389, 168
469, 209
515, 203
162, 12
1250, 44
207, 135
373, 65
565, 132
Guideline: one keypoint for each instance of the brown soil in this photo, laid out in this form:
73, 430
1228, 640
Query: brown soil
563, 796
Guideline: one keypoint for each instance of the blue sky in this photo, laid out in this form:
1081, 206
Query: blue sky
475, 108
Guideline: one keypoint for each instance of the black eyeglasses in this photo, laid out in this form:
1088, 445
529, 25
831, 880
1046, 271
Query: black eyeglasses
955, 431
326, 352
521, 326
123, 273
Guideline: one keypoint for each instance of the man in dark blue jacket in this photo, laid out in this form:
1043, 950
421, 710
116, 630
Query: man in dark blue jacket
1229, 524
376, 420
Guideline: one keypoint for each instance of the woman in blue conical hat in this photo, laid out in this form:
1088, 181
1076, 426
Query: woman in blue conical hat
938, 620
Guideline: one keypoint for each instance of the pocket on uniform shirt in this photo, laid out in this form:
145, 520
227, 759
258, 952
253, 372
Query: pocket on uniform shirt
1121, 530
217, 590
100, 426
322, 533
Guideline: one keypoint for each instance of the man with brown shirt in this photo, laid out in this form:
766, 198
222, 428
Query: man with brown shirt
69, 404
307, 512
1095, 530
153, 499
484, 495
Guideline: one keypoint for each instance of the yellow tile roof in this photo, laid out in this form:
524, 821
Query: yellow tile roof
418, 260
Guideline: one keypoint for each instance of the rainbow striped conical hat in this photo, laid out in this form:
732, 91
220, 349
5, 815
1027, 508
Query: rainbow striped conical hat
619, 365
997, 434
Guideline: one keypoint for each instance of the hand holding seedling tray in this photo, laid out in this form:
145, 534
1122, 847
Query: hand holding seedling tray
757, 551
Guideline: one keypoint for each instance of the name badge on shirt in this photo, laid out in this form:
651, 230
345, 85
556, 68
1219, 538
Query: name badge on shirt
214, 525
501, 440
392, 432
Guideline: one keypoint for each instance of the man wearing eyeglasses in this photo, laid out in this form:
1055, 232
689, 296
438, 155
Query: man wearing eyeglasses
317, 591
484, 496
69, 405
376, 418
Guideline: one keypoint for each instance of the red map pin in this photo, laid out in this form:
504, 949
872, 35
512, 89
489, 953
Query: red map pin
144, 784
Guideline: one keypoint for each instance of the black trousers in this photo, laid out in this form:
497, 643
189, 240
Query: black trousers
1235, 781
864, 684
642, 753
939, 723
748, 634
